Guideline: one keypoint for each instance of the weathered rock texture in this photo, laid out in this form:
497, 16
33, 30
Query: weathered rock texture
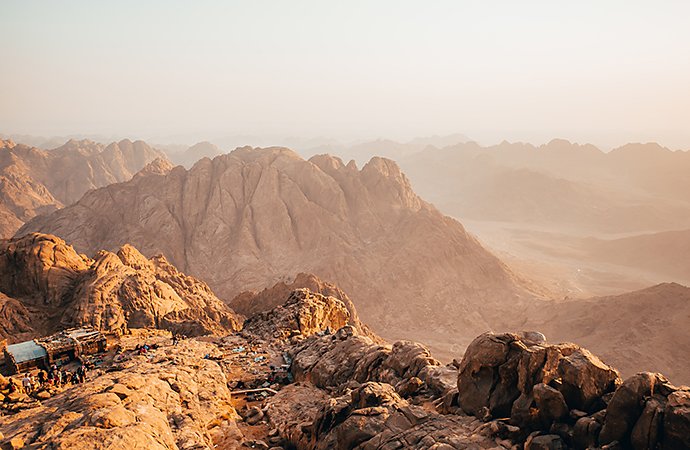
507, 374
51, 287
34, 181
304, 313
255, 217
250, 303
351, 392
354, 393
569, 396
168, 399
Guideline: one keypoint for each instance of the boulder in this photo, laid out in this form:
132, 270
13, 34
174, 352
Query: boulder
647, 430
550, 402
586, 433
677, 421
627, 405
499, 372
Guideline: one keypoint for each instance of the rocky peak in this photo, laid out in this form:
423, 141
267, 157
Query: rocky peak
36, 181
40, 267
303, 314
249, 303
7, 143
251, 218
110, 292
159, 166
131, 257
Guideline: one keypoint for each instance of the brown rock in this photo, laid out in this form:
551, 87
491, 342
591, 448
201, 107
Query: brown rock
550, 403
499, 372
677, 420
304, 313
409, 386
112, 292
586, 433
255, 217
626, 406
647, 429
545, 442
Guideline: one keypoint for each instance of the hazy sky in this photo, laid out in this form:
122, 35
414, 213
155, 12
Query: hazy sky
599, 71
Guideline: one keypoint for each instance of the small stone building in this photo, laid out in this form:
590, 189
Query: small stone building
64, 346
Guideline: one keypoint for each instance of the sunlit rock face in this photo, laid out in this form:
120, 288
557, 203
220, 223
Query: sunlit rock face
256, 217
49, 286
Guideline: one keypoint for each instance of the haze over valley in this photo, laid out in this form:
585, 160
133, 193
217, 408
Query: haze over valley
353, 225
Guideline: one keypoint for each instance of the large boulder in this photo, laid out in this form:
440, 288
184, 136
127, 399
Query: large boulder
499, 373
627, 405
677, 421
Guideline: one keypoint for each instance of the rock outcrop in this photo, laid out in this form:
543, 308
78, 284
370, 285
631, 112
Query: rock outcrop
530, 381
35, 181
255, 217
346, 391
168, 399
562, 396
249, 303
304, 313
46, 278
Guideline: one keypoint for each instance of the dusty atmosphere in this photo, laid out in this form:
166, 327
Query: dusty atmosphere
357, 225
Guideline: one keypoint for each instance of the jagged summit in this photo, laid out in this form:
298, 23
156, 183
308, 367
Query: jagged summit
254, 217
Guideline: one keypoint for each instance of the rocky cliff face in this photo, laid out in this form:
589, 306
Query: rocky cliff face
254, 217
49, 286
35, 181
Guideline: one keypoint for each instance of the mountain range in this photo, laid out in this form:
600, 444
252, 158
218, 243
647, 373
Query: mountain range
255, 217
34, 181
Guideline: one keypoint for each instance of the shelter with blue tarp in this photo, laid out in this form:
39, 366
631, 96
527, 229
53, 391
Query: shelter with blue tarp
25, 355
60, 347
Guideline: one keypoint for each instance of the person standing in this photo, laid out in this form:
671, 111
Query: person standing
27, 383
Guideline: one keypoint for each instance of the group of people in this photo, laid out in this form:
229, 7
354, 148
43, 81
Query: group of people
142, 349
54, 377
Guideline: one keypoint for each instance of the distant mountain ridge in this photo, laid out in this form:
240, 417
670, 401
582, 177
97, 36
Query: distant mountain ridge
35, 181
637, 187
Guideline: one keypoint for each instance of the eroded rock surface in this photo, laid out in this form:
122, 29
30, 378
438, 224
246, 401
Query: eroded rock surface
169, 398
46, 278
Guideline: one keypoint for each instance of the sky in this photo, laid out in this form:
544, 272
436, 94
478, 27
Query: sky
606, 72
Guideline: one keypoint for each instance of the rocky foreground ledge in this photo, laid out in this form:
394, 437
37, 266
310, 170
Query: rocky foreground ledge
346, 390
